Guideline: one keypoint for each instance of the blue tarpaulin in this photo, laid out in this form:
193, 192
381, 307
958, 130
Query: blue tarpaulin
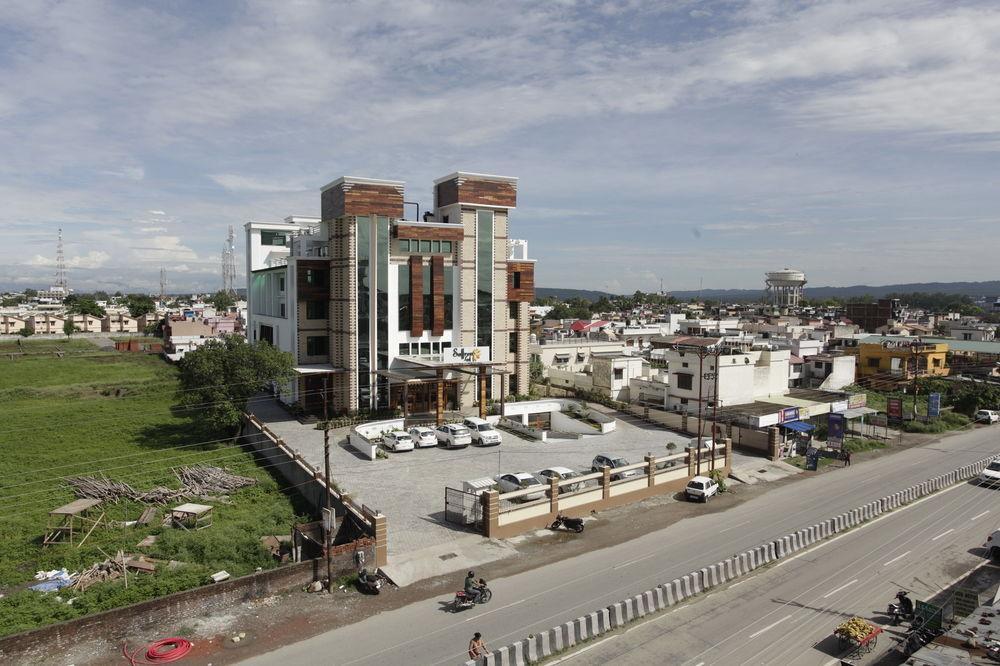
798, 426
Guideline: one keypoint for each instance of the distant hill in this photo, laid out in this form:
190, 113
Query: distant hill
989, 288
566, 294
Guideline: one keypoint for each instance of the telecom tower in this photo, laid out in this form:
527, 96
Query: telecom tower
229, 263
163, 286
61, 284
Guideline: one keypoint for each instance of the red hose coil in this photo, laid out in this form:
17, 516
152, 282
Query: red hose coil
161, 652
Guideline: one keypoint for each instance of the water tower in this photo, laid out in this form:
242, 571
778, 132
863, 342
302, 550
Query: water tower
784, 287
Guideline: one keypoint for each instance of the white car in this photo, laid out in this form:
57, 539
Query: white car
991, 475
987, 416
561, 473
992, 545
482, 431
453, 436
519, 481
423, 437
614, 462
701, 488
398, 440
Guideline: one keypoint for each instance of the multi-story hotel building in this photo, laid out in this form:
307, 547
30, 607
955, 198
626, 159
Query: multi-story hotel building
426, 314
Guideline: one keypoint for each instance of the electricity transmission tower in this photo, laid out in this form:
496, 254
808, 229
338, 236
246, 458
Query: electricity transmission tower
229, 263
163, 286
61, 284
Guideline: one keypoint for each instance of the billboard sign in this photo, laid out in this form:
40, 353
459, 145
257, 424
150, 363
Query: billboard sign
934, 405
789, 414
894, 408
839, 406
856, 400
835, 430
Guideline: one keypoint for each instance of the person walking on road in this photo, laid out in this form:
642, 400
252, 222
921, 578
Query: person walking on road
477, 648
847, 458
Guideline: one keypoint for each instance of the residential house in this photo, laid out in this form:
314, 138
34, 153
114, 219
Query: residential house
46, 324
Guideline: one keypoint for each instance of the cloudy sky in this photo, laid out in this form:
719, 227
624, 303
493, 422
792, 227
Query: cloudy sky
677, 141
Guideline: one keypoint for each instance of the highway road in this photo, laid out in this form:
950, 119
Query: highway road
786, 614
536, 600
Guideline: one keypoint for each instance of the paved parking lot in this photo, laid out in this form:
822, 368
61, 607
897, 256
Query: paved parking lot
409, 487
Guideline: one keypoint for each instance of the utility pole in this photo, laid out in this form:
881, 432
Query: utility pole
701, 361
329, 512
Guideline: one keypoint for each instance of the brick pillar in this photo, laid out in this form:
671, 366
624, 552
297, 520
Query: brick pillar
692, 461
684, 422
774, 443
650, 470
554, 495
728, 442
491, 512
381, 540
606, 483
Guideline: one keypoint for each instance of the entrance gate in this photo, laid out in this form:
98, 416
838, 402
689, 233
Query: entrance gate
463, 508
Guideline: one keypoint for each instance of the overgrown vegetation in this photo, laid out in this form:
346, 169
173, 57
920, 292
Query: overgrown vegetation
103, 412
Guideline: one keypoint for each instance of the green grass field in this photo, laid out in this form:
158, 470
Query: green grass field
109, 413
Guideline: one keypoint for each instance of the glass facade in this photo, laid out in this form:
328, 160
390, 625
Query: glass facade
363, 226
449, 297
382, 308
403, 286
484, 278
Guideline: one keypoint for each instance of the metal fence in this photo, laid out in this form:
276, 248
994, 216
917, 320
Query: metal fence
463, 508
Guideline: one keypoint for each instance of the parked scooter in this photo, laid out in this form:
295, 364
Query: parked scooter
901, 609
575, 524
369, 582
463, 601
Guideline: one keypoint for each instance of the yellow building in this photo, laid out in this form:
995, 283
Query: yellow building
901, 358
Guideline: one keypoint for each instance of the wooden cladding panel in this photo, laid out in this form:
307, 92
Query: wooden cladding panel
362, 199
525, 291
416, 296
446, 193
454, 234
475, 191
437, 295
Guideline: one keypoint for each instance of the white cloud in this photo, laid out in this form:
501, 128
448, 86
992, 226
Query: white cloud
91, 260
237, 183
151, 230
156, 212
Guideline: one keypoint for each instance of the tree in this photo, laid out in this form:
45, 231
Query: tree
536, 370
87, 306
219, 378
31, 293
139, 304
69, 328
222, 301
26, 331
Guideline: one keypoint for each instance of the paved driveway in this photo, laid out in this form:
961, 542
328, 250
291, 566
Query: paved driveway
409, 487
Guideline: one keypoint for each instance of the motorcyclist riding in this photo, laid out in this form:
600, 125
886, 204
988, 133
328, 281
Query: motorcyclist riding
472, 590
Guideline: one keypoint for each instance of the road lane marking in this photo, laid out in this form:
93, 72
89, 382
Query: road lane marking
747, 522
638, 559
770, 626
980, 515
942, 534
896, 559
842, 587
476, 617
582, 650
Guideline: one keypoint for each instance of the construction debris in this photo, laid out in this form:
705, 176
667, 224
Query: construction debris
196, 481
112, 568
53, 580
